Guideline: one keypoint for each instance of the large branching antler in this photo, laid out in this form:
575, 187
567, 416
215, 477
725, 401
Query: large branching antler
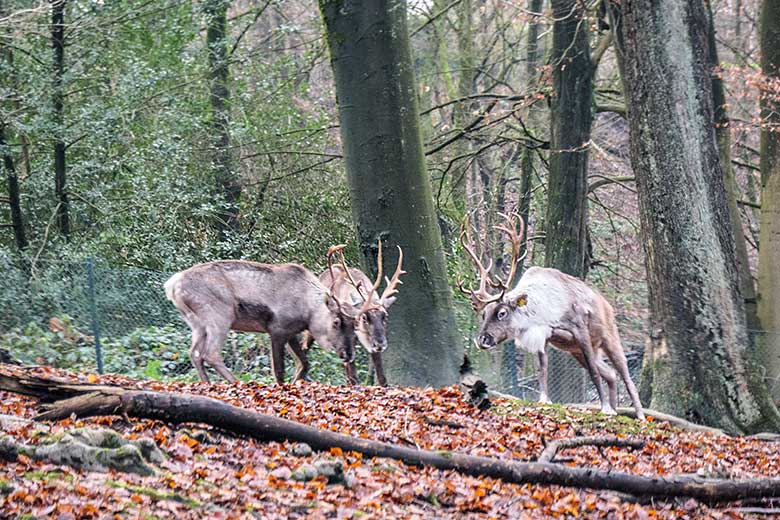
510, 228
481, 297
395, 281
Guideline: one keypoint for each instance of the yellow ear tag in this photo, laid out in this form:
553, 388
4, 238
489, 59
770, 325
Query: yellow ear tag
522, 301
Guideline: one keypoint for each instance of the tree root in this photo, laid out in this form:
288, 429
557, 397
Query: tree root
575, 442
90, 449
89, 400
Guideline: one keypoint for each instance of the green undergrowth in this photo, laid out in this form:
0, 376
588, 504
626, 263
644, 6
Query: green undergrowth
162, 353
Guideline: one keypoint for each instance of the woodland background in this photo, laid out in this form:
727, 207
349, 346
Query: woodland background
152, 135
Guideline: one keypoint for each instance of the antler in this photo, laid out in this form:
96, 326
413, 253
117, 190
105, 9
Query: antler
511, 230
393, 283
332, 250
378, 265
481, 297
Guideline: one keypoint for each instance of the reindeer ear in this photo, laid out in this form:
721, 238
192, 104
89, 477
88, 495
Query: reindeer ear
389, 301
356, 301
519, 301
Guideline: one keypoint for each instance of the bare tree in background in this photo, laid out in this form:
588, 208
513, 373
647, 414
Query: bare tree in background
219, 76
58, 108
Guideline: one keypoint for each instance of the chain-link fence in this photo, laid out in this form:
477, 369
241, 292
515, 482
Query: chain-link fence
85, 314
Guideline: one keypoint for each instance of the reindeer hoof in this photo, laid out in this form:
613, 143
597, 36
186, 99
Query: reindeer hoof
608, 410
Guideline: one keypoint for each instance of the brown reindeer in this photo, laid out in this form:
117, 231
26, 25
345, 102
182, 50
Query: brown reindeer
370, 309
548, 306
280, 299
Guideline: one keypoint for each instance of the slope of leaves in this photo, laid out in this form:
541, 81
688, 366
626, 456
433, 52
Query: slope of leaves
221, 476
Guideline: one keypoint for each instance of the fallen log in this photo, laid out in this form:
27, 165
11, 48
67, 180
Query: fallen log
85, 400
575, 442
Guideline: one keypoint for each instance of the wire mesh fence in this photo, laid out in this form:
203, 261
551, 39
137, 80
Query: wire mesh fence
87, 315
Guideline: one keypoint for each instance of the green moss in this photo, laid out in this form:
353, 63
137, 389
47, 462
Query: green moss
444, 453
48, 475
153, 493
5, 486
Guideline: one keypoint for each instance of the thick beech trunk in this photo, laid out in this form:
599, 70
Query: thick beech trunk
769, 234
390, 187
570, 123
86, 400
221, 157
58, 108
700, 364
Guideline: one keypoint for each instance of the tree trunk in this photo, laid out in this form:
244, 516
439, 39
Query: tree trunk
701, 360
467, 188
769, 234
14, 199
58, 46
85, 400
570, 123
222, 164
723, 133
390, 188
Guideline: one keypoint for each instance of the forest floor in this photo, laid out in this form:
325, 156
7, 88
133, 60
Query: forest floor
213, 474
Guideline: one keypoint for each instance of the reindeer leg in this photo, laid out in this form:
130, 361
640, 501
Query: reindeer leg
196, 352
609, 375
215, 340
376, 360
277, 357
301, 358
543, 391
614, 351
582, 338
351, 373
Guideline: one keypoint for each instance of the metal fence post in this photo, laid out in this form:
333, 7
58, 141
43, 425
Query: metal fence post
94, 314
509, 365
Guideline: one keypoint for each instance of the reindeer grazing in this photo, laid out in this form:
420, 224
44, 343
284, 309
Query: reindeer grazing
280, 299
352, 285
548, 306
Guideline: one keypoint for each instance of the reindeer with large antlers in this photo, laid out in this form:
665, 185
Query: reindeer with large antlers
548, 306
370, 309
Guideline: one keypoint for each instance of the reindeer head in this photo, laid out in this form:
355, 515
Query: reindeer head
495, 309
337, 329
370, 310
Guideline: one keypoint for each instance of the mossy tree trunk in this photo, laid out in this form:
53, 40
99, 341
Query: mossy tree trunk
769, 233
219, 77
701, 365
570, 124
389, 185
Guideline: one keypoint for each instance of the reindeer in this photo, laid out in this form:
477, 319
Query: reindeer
280, 299
370, 310
548, 306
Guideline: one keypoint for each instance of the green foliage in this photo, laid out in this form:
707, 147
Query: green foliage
160, 353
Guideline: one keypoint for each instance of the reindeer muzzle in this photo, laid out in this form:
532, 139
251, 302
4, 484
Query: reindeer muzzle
486, 342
